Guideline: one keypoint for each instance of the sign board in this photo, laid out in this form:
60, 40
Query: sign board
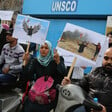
6, 15
88, 46
29, 29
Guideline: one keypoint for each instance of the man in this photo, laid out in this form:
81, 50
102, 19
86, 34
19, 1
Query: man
10, 60
98, 83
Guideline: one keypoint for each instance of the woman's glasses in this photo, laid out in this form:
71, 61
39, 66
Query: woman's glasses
107, 58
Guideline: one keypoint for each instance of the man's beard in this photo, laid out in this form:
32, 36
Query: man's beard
108, 68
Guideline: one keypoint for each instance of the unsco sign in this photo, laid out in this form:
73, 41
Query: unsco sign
64, 6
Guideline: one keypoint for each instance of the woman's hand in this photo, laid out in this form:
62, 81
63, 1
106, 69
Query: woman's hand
56, 56
65, 81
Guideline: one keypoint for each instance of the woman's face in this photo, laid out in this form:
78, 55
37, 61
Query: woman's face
44, 50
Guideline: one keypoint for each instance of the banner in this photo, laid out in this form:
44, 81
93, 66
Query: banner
88, 46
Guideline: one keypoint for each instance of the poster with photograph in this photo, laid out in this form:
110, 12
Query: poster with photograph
29, 29
108, 32
82, 43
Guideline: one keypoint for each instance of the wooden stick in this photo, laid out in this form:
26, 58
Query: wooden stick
28, 46
27, 50
71, 68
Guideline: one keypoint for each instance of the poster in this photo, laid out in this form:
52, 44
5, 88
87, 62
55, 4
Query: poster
86, 45
29, 29
6, 15
5, 19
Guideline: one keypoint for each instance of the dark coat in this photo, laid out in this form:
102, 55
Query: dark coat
99, 84
33, 71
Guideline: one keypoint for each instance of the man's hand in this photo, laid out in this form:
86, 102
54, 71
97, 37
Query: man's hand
103, 109
65, 81
5, 70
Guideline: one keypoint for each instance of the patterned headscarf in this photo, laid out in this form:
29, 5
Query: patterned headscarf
46, 59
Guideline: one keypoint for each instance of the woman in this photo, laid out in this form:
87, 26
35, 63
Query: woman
47, 63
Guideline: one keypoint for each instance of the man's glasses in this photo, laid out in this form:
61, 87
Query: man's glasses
107, 58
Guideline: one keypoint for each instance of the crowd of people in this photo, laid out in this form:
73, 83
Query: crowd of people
48, 63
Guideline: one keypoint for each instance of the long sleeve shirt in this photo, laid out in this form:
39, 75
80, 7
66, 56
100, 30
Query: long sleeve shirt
12, 57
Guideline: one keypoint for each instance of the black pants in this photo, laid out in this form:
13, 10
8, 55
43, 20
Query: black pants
35, 107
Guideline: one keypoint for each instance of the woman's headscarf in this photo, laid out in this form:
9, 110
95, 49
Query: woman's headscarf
46, 59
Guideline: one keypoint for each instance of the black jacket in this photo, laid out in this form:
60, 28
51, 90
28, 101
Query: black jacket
99, 84
33, 70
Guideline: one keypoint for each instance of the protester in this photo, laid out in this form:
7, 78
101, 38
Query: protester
109, 35
12, 23
98, 82
46, 64
4, 29
2, 39
10, 60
